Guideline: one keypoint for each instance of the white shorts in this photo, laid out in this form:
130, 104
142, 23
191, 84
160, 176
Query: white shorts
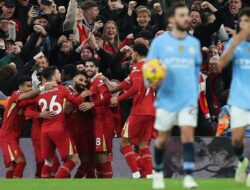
239, 117
165, 120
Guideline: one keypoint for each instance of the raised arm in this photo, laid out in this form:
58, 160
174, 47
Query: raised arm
70, 21
228, 54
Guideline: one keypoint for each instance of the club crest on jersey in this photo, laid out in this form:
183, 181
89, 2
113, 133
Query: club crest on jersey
191, 50
181, 49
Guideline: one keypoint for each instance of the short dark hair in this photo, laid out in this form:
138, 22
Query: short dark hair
90, 49
86, 5
23, 79
141, 49
176, 5
81, 73
49, 72
244, 12
94, 60
69, 70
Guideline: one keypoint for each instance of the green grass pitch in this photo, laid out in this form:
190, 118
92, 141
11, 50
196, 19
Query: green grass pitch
113, 184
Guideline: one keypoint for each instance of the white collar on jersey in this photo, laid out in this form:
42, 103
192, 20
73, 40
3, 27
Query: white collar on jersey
94, 77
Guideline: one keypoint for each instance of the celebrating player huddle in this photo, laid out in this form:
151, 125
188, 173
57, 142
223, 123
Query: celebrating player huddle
78, 122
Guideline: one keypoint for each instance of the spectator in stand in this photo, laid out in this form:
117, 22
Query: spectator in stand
231, 15
205, 30
90, 13
214, 88
111, 37
8, 10
7, 28
21, 11
195, 20
63, 53
115, 10
82, 20
143, 18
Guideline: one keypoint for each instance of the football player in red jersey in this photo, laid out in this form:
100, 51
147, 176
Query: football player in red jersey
53, 134
78, 124
12, 127
102, 119
31, 112
139, 124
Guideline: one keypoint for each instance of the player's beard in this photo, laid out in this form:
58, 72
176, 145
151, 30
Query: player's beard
79, 88
181, 28
91, 74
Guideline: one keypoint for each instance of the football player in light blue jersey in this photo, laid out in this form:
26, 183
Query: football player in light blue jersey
238, 51
177, 97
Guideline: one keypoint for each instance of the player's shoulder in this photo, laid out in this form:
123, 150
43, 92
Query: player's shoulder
159, 39
15, 94
193, 39
135, 69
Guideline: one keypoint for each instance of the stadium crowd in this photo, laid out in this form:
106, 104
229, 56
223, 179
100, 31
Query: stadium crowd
82, 38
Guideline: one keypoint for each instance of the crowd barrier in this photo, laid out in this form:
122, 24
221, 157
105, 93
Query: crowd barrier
214, 158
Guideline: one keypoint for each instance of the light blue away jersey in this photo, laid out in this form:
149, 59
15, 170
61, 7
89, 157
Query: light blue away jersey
182, 58
240, 85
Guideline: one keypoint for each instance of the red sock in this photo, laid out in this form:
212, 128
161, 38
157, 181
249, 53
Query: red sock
39, 166
55, 166
10, 170
18, 172
82, 170
147, 159
65, 169
91, 174
107, 170
99, 171
141, 166
46, 171
130, 157
9, 174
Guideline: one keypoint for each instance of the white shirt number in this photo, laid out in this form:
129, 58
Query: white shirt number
53, 105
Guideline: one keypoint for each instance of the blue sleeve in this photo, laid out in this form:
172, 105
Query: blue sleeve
198, 61
198, 55
228, 44
153, 50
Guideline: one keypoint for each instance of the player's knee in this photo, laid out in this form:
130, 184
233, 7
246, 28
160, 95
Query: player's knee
75, 158
125, 142
49, 162
20, 159
143, 145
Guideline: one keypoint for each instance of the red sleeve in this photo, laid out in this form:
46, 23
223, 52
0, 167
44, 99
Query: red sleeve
136, 80
15, 96
30, 112
105, 95
76, 100
126, 84
27, 102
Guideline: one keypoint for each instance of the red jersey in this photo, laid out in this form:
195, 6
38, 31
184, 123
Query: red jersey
31, 112
76, 121
100, 95
53, 100
13, 120
143, 98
